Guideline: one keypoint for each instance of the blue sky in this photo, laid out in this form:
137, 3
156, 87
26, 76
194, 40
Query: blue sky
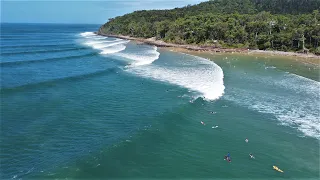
80, 11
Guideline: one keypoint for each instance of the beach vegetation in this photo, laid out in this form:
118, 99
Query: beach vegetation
284, 25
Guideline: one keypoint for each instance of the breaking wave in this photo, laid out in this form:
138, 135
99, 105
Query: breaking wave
105, 46
194, 73
85, 34
199, 75
141, 58
113, 49
298, 109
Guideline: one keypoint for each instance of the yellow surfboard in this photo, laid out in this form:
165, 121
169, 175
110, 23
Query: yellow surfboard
277, 169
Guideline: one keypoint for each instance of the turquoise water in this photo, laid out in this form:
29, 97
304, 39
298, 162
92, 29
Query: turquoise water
79, 106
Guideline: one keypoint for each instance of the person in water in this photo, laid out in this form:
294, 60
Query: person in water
247, 140
251, 156
228, 157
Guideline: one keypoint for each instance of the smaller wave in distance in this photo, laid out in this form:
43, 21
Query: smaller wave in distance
105, 46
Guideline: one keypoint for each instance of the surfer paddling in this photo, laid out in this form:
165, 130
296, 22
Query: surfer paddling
251, 156
227, 157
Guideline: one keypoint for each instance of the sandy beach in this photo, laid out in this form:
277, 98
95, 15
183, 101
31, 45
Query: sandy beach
184, 48
313, 60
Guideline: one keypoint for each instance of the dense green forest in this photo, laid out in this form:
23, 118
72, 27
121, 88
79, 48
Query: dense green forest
286, 25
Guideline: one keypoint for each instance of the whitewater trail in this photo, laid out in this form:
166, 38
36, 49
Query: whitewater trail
197, 74
299, 108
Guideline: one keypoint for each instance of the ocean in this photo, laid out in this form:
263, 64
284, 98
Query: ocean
75, 105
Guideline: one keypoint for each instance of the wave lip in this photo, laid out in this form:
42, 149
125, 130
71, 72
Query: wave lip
201, 75
143, 58
117, 45
101, 46
204, 77
105, 46
113, 49
100, 42
85, 34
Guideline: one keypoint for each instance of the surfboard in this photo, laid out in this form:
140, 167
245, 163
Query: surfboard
277, 169
225, 158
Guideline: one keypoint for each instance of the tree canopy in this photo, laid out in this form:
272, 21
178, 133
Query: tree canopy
286, 25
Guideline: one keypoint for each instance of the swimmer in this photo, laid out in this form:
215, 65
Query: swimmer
246, 140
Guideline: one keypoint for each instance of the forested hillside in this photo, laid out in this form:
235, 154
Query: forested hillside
286, 25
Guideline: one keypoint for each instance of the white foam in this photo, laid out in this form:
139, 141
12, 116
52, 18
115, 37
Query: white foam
113, 49
96, 38
303, 84
299, 108
85, 34
100, 42
104, 45
269, 67
195, 73
141, 58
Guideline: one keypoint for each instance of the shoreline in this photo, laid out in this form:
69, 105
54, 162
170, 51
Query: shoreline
311, 61
196, 48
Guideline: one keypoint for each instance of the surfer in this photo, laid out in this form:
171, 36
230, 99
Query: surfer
251, 156
277, 169
227, 157
203, 123
247, 140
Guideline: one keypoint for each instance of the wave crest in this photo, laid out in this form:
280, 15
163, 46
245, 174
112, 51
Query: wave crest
106, 46
113, 49
192, 72
202, 76
85, 34
140, 59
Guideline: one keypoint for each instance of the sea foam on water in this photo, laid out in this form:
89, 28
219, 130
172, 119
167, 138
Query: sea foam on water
194, 73
298, 108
